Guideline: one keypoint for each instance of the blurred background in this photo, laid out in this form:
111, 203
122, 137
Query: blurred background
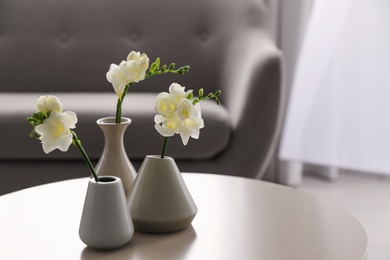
336, 73
335, 141
334, 132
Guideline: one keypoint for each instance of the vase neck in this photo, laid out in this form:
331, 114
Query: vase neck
113, 133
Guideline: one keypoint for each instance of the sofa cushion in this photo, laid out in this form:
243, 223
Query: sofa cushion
140, 139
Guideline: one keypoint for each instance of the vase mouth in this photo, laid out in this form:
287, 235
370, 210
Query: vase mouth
112, 121
106, 179
158, 157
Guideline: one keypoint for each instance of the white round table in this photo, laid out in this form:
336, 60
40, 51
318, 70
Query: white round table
238, 218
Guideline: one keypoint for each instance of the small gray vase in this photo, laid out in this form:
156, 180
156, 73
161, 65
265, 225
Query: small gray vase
159, 200
106, 221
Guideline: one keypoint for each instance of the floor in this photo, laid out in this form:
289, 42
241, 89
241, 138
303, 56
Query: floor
366, 196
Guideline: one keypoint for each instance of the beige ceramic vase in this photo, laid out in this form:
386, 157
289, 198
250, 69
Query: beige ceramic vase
114, 160
159, 200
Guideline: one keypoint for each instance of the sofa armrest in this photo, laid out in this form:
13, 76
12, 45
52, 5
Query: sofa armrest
254, 96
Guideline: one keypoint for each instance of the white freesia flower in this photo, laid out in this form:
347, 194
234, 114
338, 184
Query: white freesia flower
177, 114
116, 77
192, 121
178, 92
132, 70
165, 104
48, 103
191, 128
168, 126
136, 66
55, 131
185, 109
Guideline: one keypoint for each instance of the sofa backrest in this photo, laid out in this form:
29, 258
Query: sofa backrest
68, 45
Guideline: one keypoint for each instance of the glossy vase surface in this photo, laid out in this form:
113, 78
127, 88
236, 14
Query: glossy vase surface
106, 222
114, 160
159, 200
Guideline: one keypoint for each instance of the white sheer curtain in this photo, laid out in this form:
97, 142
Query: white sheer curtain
289, 19
338, 113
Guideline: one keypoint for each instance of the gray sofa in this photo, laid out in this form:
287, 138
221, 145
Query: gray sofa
65, 48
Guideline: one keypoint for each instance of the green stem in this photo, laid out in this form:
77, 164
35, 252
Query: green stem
162, 72
78, 144
164, 147
118, 111
118, 116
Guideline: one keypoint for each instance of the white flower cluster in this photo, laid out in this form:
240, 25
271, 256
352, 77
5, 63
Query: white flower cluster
177, 114
55, 130
130, 71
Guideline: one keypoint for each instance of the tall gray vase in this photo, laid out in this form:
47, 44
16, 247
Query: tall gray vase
159, 200
106, 221
114, 160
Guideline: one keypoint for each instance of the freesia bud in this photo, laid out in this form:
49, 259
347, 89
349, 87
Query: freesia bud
48, 104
